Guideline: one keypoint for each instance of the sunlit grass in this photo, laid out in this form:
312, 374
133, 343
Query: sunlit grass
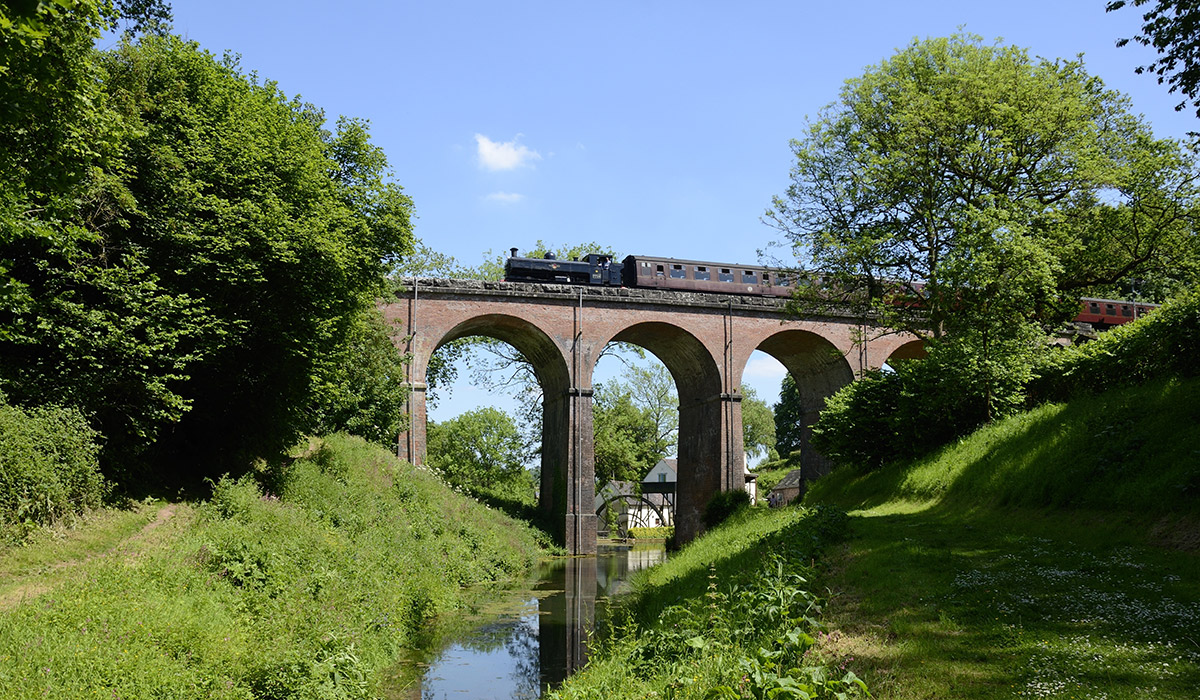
1041, 557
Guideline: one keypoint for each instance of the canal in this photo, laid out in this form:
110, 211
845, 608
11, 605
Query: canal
522, 641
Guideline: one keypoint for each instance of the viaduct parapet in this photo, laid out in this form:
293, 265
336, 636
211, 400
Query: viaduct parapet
705, 341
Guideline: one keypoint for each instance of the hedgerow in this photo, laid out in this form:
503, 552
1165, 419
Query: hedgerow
48, 467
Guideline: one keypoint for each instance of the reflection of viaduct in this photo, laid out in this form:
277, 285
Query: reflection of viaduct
705, 341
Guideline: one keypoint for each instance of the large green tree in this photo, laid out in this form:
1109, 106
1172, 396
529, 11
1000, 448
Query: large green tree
758, 425
625, 435
187, 250
789, 418
969, 191
481, 451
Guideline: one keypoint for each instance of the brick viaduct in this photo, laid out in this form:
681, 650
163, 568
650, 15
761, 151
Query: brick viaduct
705, 341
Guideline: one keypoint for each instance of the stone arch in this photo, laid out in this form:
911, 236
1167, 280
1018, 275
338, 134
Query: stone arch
819, 369
705, 429
912, 350
554, 376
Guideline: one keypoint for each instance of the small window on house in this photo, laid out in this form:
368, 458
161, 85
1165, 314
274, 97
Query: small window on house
725, 275
662, 478
701, 273
677, 272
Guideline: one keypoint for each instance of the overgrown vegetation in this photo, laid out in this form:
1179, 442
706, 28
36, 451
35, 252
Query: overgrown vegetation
733, 615
1052, 554
184, 250
304, 582
48, 468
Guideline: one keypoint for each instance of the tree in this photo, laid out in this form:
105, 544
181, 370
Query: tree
968, 192
758, 424
1172, 27
624, 435
789, 418
191, 250
480, 451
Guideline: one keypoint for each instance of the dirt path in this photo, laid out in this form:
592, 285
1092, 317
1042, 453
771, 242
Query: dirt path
46, 577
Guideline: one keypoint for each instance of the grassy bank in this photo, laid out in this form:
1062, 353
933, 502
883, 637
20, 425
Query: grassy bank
733, 615
1051, 555
305, 588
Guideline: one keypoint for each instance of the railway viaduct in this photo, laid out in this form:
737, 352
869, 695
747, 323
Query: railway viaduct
705, 341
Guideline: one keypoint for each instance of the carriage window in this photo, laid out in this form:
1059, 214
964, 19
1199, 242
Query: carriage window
1109, 310
748, 277
701, 273
725, 275
1125, 311
1094, 308
677, 272
658, 272
766, 278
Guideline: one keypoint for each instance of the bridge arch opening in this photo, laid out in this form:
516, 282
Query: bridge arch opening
552, 374
912, 350
706, 432
818, 369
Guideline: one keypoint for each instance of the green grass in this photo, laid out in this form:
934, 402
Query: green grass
1051, 555
731, 615
309, 590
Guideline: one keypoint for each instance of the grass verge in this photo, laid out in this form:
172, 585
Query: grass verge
1051, 555
732, 615
307, 590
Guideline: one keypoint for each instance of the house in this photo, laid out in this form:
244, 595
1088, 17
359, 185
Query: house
789, 489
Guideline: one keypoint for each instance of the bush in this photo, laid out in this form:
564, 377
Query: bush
652, 533
723, 505
1163, 345
49, 466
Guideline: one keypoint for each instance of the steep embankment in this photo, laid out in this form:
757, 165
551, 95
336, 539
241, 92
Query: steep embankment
1053, 554
305, 590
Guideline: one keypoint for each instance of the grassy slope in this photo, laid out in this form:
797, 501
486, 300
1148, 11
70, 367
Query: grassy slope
307, 593
1051, 555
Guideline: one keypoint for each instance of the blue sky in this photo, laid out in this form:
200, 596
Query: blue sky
658, 128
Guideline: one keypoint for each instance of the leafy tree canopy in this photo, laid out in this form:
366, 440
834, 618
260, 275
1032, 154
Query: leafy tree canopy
958, 182
187, 248
789, 418
478, 449
758, 425
1172, 27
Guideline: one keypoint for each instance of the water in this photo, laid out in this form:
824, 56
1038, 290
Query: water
530, 639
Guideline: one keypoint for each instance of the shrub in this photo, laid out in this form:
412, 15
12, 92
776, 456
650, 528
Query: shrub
1161, 345
48, 466
723, 505
652, 533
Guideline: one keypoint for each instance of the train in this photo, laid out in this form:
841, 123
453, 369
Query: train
645, 272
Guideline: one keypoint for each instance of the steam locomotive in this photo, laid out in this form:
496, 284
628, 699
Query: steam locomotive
644, 272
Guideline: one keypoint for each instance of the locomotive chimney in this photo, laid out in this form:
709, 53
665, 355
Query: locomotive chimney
514, 252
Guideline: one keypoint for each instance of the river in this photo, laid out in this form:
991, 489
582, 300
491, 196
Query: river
524, 640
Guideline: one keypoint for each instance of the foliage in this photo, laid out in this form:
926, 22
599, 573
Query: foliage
625, 435
360, 388
307, 591
48, 468
1170, 27
723, 505
1126, 450
919, 405
758, 424
652, 533
1160, 345
789, 418
188, 250
970, 192
733, 615
481, 451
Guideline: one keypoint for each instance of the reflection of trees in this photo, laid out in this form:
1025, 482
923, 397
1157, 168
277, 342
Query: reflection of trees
522, 646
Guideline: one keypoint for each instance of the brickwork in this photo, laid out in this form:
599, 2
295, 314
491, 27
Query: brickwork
705, 340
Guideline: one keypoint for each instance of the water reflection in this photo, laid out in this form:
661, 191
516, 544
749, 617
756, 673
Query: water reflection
542, 640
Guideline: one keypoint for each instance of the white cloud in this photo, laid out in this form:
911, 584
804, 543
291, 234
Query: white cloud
508, 155
505, 197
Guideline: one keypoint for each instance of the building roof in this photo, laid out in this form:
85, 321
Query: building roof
791, 481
